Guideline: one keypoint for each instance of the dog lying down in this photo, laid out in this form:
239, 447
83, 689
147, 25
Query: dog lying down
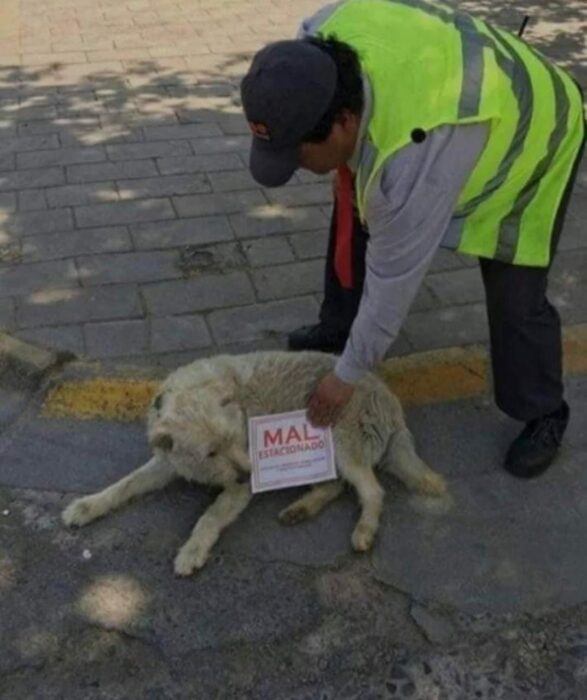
197, 428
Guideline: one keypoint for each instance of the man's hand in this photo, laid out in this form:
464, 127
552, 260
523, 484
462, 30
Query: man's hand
328, 401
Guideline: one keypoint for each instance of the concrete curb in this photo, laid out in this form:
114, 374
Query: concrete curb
421, 378
25, 364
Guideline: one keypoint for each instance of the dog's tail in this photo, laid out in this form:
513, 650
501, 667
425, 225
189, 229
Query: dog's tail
402, 460
429, 488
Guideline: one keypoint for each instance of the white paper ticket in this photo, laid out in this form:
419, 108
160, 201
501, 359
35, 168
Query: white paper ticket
285, 450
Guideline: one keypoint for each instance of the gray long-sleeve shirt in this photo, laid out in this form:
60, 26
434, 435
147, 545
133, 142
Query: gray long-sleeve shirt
409, 212
408, 215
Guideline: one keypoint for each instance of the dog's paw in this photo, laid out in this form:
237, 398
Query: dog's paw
362, 538
293, 514
79, 512
189, 561
433, 485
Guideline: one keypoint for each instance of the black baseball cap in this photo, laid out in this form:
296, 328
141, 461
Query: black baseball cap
286, 92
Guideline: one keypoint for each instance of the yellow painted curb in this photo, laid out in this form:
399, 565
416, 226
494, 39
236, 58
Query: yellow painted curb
106, 398
437, 375
422, 378
458, 373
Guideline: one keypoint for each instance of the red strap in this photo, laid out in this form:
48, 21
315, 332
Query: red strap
343, 263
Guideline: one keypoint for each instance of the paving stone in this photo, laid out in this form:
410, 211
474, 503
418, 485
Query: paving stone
261, 321
111, 171
163, 186
199, 164
298, 195
268, 251
99, 136
289, 280
29, 143
24, 279
35, 128
233, 124
79, 195
311, 244
458, 325
7, 163
306, 177
7, 202
155, 149
117, 338
568, 285
62, 306
59, 156
31, 223
32, 200
457, 286
574, 234
70, 338
196, 260
446, 259
124, 212
115, 239
29, 179
424, 300
169, 234
31, 114
7, 314
270, 219
182, 131
232, 180
198, 294
49, 58
176, 333
127, 267
208, 204
221, 144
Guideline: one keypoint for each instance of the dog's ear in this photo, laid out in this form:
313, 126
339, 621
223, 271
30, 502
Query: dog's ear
163, 441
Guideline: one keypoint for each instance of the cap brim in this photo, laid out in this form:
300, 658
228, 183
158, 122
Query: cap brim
271, 167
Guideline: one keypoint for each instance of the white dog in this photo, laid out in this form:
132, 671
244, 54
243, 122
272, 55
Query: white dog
197, 427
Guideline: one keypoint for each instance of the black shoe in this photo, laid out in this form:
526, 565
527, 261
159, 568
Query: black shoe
532, 452
318, 337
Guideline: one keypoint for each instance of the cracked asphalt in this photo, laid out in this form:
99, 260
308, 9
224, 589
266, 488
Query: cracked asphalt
486, 601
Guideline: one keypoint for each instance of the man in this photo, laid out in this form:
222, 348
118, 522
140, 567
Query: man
451, 133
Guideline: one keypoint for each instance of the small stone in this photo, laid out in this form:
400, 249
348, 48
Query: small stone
6, 512
86, 554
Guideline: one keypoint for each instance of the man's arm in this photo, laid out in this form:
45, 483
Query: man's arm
408, 216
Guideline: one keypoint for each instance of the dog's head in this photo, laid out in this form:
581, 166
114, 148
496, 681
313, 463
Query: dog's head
195, 428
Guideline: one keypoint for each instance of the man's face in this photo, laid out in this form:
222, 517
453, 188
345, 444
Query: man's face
336, 150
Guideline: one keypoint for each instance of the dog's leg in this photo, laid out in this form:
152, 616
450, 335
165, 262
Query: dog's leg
370, 493
225, 509
312, 502
402, 460
153, 475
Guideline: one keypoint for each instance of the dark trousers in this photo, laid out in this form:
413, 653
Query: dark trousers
524, 328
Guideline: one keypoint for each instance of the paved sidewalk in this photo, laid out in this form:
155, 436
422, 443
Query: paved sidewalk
129, 225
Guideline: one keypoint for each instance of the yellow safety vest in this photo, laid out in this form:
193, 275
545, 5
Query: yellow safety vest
430, 65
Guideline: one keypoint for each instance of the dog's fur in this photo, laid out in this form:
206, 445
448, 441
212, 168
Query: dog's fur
197, 427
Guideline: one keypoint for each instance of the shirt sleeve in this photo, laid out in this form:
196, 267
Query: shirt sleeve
407, 215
